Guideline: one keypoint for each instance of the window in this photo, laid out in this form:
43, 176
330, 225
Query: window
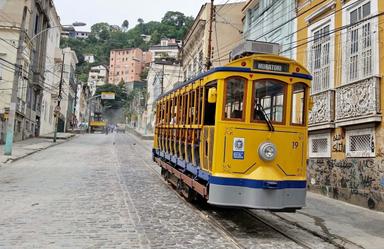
201, 61
320, 145
360, 143
320, 55
37, 21
234, 99
359, 64
209, 109
270, 94
298, 104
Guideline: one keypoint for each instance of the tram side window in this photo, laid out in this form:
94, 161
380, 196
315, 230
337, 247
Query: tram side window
234, 98
298, 104
270, 95
209, 108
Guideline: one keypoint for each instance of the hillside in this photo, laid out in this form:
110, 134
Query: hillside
105, 37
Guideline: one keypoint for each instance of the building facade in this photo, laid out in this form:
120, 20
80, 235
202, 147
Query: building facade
271, 21
340, 42
226, 34
33, 17
67, 118
165, 71
126, 65
81, 108
52, 76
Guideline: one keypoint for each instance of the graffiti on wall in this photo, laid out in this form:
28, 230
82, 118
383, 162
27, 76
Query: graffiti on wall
358, 178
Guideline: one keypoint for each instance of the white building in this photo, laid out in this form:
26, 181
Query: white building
271, 21
52, 77
165, 71
82, 34
66, 118
97, 76
83, 94
90, 58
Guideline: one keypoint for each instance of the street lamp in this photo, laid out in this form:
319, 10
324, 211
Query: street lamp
18, 68
75, 24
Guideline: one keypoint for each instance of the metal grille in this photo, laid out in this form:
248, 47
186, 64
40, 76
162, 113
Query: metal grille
360, 143
319, 145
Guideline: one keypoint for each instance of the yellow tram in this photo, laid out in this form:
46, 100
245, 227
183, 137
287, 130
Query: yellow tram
237, 135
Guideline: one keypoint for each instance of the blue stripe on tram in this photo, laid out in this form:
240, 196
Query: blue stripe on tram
262, 184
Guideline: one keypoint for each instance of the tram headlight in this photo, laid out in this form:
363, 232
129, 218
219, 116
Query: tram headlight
267, 151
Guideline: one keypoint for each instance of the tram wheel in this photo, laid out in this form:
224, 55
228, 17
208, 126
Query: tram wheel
188, 193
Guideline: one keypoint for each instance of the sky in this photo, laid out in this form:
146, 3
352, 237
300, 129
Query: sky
115, 12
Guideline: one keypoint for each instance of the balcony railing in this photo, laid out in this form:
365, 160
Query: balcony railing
21, 106
323, 108
359, 100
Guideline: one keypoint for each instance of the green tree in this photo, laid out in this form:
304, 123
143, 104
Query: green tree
125, 26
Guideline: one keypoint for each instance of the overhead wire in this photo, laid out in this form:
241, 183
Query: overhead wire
275, 28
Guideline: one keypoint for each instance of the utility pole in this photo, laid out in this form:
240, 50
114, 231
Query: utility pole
162, 81
18, 70
59, 97
74, 107
209, 63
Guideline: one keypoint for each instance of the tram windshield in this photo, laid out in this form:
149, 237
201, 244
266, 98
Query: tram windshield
270, 95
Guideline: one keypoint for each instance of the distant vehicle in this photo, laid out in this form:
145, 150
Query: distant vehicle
120, 128
97, 123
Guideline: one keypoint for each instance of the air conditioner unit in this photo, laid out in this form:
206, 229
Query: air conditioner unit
254, 47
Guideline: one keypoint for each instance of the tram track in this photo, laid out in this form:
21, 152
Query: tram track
277, 229
219, 220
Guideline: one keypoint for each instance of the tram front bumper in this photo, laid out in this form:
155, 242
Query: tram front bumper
258, 198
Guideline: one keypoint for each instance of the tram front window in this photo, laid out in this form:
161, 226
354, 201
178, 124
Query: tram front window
270, 94
234, 98
298, 104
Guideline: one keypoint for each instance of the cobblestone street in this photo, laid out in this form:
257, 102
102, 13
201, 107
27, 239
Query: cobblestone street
98, 191
88, 194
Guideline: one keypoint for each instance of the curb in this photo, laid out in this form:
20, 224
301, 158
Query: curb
12, 160
58, 138
138, 134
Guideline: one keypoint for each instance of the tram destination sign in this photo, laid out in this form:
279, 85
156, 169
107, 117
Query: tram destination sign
271, 66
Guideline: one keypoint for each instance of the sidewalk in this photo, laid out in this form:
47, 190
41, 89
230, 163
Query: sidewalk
344, 224
30, 146
140, 133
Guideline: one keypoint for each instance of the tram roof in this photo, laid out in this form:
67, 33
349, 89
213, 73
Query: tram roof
236, 69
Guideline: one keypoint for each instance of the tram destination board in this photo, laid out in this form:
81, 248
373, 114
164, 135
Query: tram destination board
271, 66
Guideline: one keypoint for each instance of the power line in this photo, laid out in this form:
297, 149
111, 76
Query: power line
332, 31
275, 28
307, 26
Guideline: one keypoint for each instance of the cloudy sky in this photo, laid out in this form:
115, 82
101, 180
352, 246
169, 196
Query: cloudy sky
116, 11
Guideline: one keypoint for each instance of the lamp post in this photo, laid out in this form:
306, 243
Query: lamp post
18, 69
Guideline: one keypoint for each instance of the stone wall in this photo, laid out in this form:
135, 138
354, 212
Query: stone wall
356, 180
